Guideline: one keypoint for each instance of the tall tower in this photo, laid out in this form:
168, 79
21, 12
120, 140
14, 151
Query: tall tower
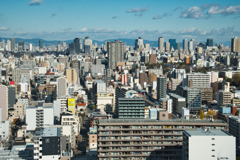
190, 45
161, 87
139, 43
185, 44
115, 53
235, 44
167, 47
87, 45
77, 45
160, 44
172, 43
12, 44
40, 44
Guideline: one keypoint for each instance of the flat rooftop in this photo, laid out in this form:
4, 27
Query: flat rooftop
201, 132
157, 121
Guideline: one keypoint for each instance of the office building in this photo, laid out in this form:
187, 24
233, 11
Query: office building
207, 95
235, 44
178, 102
190, 45
234, 129
161, 87
99, 86
72, 48
8, 45
39, 116
77, 45
88, 45
11, 97
20, 46
198, 80
3, 102
160, 44
208, 144
62, 86
146, 138
172, 43
143, 79
185, 44
47, 144
139, 43
12, 44
223, 97
210, 42
167, 47
115, 53
178, 46
71, 76
40, 44
166, 104
193, 98
152, 58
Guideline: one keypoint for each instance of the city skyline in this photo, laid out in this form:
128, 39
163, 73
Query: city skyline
101, 20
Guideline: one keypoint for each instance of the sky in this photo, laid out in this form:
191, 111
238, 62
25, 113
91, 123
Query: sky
112, 19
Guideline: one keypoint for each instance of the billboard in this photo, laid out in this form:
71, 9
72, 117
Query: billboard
71, 105
12, 82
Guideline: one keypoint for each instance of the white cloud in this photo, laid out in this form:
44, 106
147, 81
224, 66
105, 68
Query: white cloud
225, 11
137, 11
161, 16
35, 2
193, 12
4, 29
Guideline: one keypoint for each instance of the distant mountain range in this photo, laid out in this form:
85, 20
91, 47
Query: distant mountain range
129, 42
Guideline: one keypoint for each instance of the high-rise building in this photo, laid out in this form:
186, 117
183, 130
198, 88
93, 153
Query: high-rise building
234, 129
198, 80
64, 45
214, 143
160, 44
178, 102
185, 44
139, 43
193, 98
152, 58
210, 42
20, 46
172, 43
161, 87
167, 47
178, 46
30, 47
12, 44
77, 45
235, 44
71, 76
9, 43
3, 102
87, 45
190, 45
40, 44
115, 53
11, 97
72, 48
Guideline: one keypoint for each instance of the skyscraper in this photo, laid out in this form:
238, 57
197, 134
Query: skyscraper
210, 42
72, 48
20, 46
190, 45
30, 47
172, 43
194, 44
87, 45
139, 43
160, 44
178, 46
167, 47
9, 44
81, 43
40, 44
185, 44
161, 87
235, 44
115, 53
77, 45
12, 44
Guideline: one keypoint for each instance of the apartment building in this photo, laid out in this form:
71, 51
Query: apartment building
208, 144
223, 97
198, 80
234, 129
146, 138
178, 102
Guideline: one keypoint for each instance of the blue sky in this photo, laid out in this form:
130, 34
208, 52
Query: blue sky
109, 19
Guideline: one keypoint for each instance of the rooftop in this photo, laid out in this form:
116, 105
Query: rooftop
157, 121
202, 132
51, 132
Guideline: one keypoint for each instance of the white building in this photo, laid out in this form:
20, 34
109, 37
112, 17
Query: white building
208, 144
99, 86
70, 119
42, 70
38, 116
5, 129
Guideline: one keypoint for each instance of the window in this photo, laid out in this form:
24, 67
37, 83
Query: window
93, 141
213, 144
213, 150
92, 136
213, 155
213, 138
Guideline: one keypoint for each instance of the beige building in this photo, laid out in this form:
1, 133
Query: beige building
71, 76
235, 44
